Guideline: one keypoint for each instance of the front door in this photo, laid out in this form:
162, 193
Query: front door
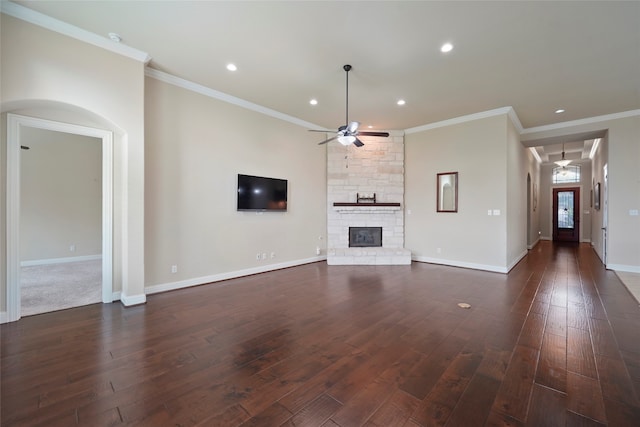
566, 214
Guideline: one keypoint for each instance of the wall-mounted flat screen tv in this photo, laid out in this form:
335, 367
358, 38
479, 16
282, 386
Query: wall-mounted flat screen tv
257, 193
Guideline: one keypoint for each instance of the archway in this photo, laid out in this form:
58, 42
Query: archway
15, 123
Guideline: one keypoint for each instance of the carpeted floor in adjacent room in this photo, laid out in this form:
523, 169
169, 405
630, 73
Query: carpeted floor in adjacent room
52, 287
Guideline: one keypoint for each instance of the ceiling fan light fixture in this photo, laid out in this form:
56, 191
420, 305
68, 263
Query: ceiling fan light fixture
346, 139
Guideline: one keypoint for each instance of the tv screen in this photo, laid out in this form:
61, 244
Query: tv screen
256, 193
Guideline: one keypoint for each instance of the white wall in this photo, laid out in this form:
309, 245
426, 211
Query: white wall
60, 195
600, 159
477, 151
41, 68
195, 148
520, 163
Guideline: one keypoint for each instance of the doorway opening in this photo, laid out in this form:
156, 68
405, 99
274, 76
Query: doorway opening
16, 126
566, 214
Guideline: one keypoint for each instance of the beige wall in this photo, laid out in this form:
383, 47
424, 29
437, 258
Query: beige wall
60, 195
47, 71
476, 150
195, 148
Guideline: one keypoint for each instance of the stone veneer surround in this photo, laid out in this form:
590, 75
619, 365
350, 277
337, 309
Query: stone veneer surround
377, 167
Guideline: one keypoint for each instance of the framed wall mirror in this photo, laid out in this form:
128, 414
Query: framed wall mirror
447, 192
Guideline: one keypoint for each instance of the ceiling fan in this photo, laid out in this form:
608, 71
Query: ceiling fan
348, 134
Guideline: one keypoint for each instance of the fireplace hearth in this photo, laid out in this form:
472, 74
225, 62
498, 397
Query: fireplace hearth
365, 237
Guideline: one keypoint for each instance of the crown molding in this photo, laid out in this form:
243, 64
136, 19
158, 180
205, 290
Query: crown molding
582, 122
515, 119
211, 93
470, 117
49, 23
535, 154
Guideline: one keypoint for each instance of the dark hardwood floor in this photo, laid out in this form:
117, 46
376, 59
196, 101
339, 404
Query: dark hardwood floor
556, 342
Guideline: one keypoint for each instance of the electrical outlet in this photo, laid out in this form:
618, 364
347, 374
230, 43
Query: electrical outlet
264, 255
273, 255
72, 248
258, 257
174, 269
439, 250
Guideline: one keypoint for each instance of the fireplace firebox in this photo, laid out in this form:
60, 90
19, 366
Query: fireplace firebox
365, 237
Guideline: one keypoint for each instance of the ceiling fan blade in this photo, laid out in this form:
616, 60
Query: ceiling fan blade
358, 143
353, 127
328, 140
385, 134
318, 130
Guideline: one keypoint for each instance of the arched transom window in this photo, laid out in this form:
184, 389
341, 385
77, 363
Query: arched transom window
564, 174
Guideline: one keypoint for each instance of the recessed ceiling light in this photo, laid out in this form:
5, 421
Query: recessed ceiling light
401, 102
447, 47
313, 102
232, 67
560, 110
115, 37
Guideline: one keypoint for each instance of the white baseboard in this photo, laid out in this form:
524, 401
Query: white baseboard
164, 287
473, 266
533, 245
517, 260
128, 301
625, 268
60, 260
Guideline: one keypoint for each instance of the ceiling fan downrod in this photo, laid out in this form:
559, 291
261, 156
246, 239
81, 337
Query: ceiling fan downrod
347, 68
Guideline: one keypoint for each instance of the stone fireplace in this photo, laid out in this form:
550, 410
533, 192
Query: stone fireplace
377, 169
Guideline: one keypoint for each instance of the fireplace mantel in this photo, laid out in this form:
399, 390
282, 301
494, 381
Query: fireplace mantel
366, 207
365, 204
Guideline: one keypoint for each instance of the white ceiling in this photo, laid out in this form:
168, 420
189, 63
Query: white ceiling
537, 57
